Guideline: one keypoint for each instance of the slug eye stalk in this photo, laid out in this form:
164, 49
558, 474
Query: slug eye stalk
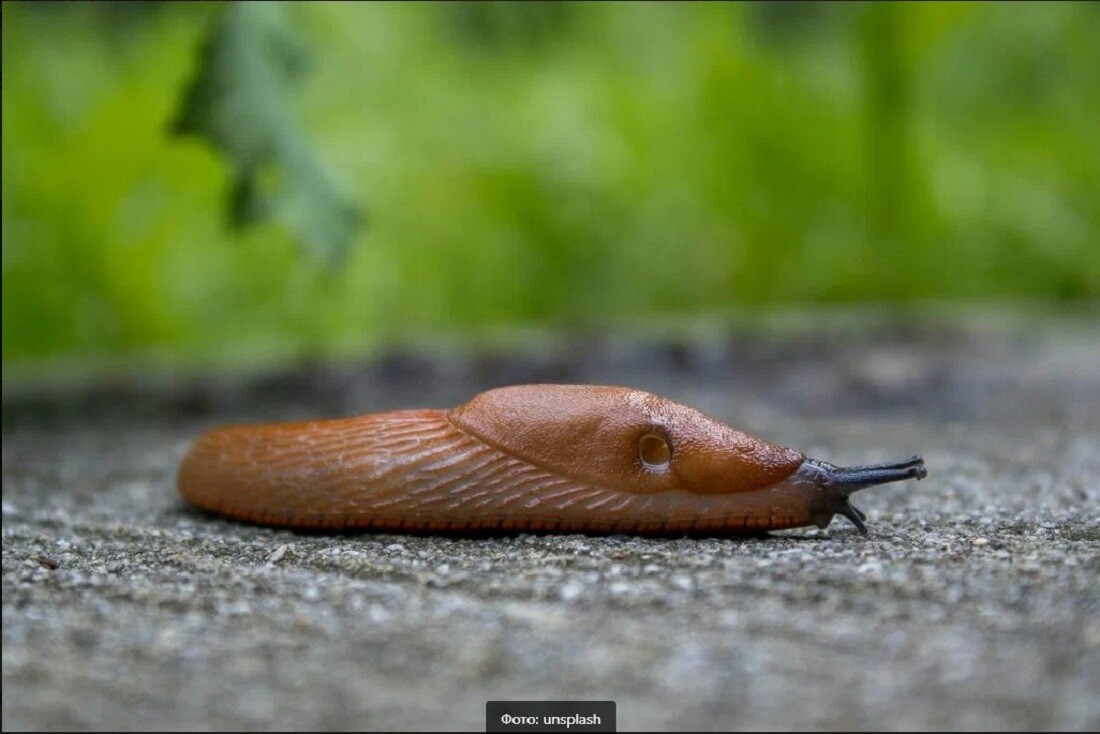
840, 482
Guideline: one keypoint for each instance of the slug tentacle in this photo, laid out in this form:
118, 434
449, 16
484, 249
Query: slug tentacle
858, 477
531, 458
853, 513
838, 483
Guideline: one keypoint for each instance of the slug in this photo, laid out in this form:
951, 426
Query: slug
528, 458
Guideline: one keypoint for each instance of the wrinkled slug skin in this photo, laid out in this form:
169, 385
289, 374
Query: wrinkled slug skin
527, 458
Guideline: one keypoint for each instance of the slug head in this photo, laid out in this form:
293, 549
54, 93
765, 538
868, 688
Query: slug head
836, 484
623, 439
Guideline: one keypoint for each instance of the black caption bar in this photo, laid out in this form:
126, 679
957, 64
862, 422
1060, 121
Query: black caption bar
570, 716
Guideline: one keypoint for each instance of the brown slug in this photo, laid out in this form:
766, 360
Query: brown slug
529, 458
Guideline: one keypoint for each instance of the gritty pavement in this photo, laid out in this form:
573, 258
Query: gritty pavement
973, 603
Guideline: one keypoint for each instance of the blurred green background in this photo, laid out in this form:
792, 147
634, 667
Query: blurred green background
539, 164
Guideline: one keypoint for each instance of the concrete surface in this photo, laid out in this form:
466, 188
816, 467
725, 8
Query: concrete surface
972, 604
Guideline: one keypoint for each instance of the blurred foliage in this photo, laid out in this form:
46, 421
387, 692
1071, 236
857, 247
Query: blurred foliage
547, 163
238, 100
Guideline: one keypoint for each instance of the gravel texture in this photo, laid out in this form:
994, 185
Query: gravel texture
972, 604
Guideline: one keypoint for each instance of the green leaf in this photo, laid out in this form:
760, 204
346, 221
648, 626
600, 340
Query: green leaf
238, 100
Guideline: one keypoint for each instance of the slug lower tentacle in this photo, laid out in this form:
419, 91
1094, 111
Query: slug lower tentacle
531, 458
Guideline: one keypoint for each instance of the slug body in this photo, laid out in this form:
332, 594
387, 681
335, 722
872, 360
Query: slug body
529, 458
